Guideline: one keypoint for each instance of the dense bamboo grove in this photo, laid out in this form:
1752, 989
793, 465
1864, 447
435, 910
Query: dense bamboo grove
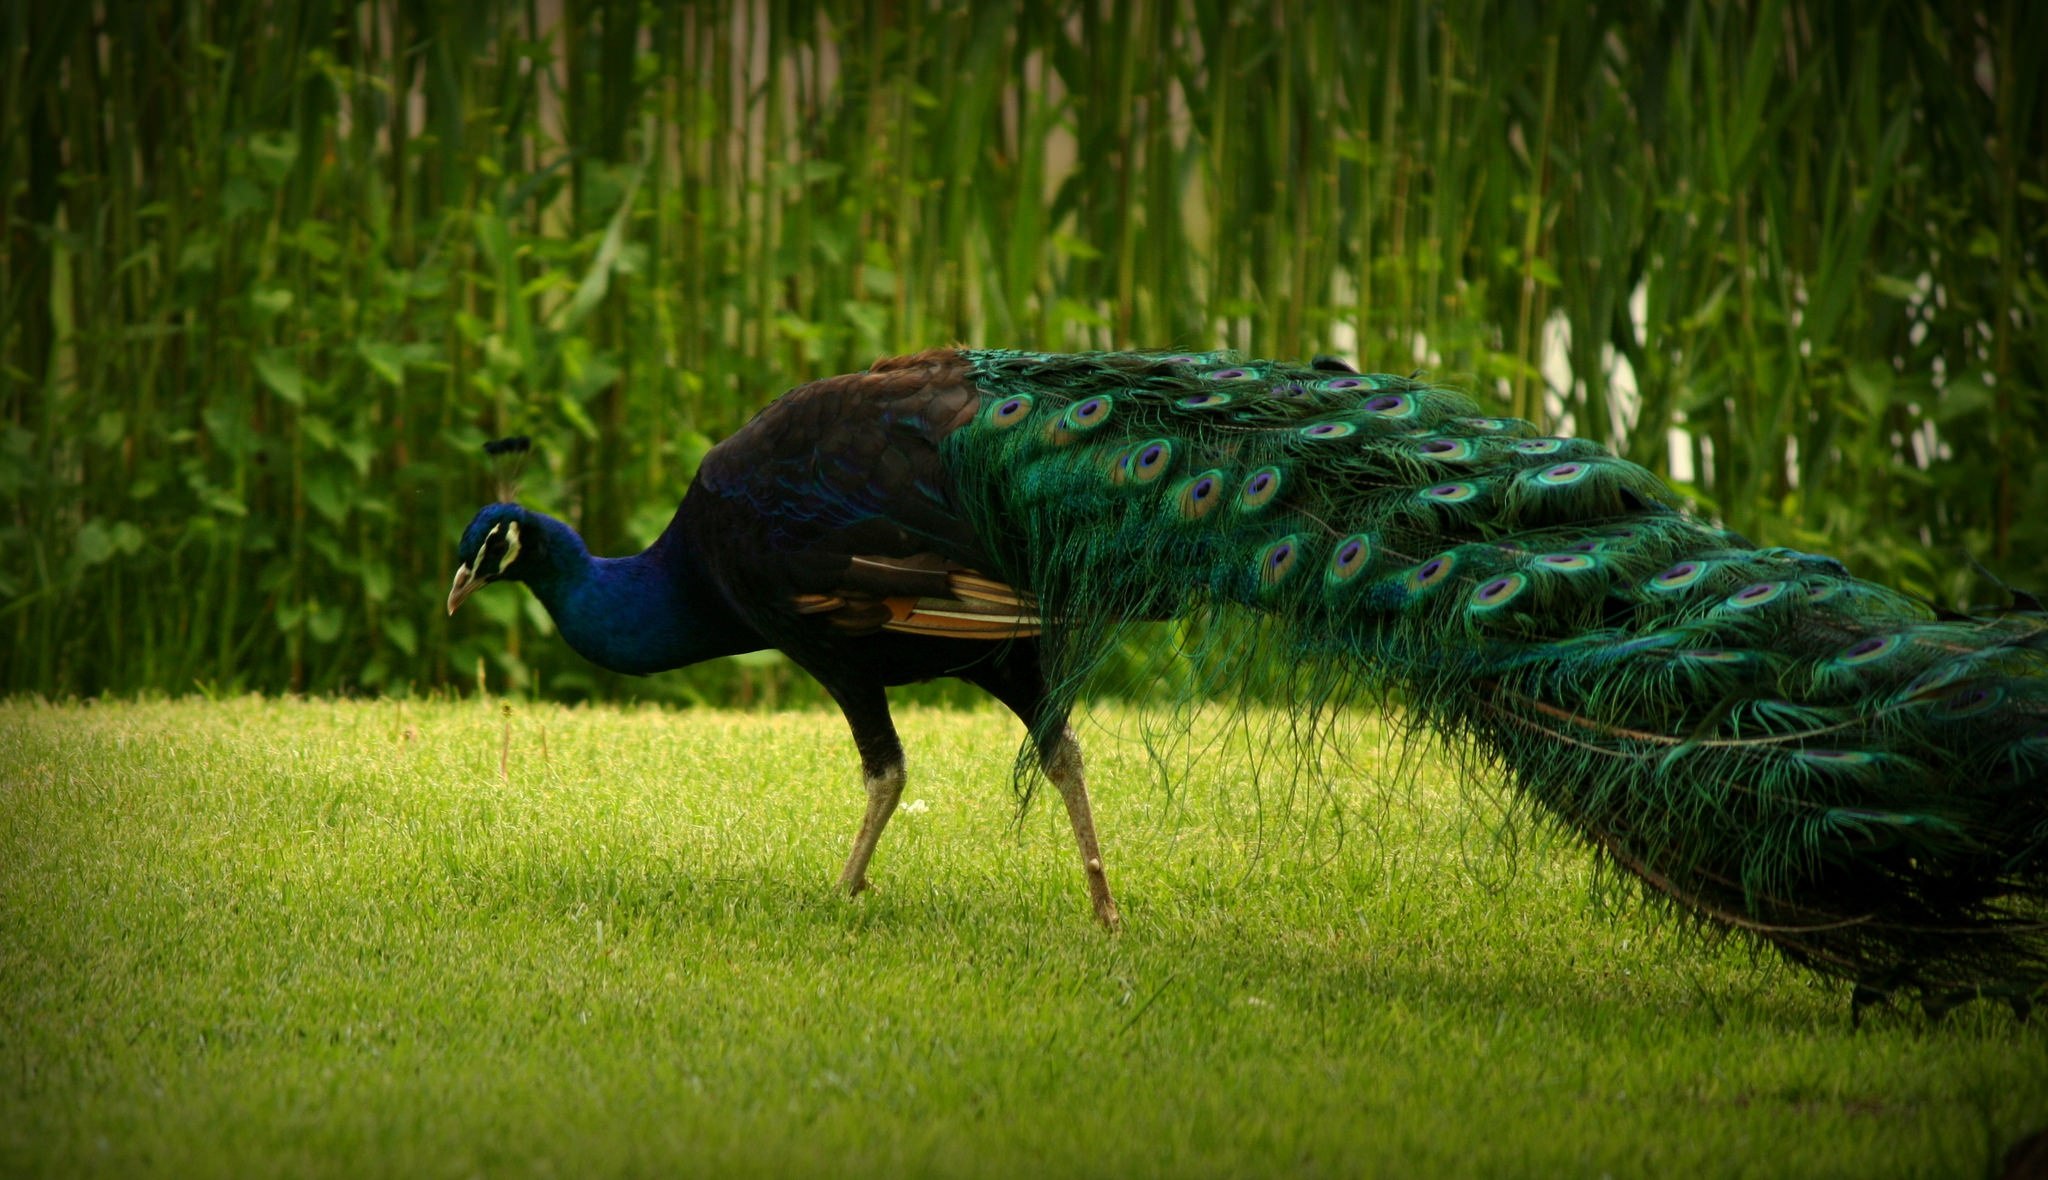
273, 270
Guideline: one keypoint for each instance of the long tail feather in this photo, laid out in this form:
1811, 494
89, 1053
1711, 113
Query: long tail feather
1777, 746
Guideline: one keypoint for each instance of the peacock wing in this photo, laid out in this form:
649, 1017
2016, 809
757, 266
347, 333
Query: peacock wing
833, 505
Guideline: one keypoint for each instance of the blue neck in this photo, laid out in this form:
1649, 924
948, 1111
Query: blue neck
638, 615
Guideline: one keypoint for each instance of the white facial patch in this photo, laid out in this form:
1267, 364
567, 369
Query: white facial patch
511, 528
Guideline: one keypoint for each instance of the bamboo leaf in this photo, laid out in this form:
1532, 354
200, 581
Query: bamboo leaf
281, 373
597, 280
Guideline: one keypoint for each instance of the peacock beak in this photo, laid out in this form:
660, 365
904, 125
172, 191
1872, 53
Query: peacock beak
465, 585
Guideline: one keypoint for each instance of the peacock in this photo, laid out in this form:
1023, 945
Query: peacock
1848, 774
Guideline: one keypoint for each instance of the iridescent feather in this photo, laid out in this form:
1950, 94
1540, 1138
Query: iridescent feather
1772, 744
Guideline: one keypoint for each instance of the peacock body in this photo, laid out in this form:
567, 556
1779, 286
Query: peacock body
1780, 748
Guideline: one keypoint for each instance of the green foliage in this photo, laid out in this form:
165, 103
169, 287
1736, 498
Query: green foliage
273, 271
337, 939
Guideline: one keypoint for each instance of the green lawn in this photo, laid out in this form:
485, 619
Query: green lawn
329, 938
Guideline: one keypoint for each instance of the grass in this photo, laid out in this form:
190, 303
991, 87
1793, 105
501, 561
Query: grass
329, 938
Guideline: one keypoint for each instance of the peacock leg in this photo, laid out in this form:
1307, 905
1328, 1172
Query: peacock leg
1016, 679
1063, 767
881, 759
884, 789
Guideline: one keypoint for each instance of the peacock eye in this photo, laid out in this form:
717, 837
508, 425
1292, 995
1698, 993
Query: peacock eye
1279, 560
1199, 401
1391, 405
1199, 496
1353, 555
1343, 383
1838, 757
1499, 592
1431, 572
1755, 595
1328, 430
1539, 446
1227, 375
1563, 473
1260, 489
1565, 561
1451, 493
1969, 701
1086, 414
1152, 460
1011, 411
1679, 576
1870, 650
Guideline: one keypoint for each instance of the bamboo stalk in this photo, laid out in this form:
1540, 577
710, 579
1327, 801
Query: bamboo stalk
268, 273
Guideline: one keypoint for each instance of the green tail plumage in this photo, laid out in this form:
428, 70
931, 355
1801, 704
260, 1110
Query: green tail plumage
1777, 746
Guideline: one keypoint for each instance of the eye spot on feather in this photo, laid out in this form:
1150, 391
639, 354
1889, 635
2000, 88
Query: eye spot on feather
1328, 430
1714, 655
1086, 414
1869, 650
1924, 685
1391, 405
1836, 757
1755, 594
1540, 446
1342, 383
1822, 591
1565, 562
1204, 400
1562, 474
1279, 560
1182, 359
1010, 411
1351, 557
1450, 493
1200, 494
1290, 389
1499, 592
1227, 375
1431, 573
1151, 459
1450, 450
1969, 701
1260, 488
1120, 467
1679, 576
1491, 425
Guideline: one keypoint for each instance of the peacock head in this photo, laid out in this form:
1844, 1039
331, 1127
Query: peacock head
489, 550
